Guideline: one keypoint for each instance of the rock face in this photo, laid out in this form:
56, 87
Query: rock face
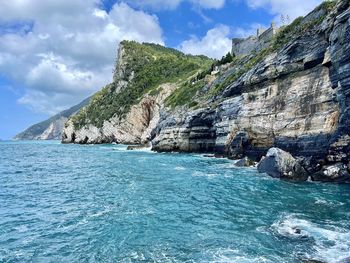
296, 99
333, 173
293, 95
145, 75
135, 128
52, 128
280, 164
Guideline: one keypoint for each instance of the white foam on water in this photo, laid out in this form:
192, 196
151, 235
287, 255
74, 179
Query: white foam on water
228, 165
291, 227
197, 173
228, 255
145, 149
101, 213
320, 201
330, 244
21, 228
180, 168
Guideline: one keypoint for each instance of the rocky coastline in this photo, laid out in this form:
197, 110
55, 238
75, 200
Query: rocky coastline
286, 107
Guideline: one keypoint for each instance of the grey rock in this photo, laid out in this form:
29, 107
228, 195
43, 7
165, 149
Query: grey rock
138, 147
245, 162
50, 129
337, 172
281, 164
296, 99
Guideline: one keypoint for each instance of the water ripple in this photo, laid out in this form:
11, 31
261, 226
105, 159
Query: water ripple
73, 203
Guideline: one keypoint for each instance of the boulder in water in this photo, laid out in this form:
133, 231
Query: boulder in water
138, 147
245, 162
337, 172
281, 164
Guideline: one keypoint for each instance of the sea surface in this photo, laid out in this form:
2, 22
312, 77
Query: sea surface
102, 203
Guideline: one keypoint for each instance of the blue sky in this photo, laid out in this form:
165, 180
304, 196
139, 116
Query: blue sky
55, 53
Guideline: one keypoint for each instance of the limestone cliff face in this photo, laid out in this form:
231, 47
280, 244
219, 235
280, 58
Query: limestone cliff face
294, 95
128, 110
295, 99
54, 131
134, 128
50, 129
298, 106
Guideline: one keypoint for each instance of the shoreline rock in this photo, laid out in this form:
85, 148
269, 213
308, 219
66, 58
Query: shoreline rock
281, 164
245, 162
138, 147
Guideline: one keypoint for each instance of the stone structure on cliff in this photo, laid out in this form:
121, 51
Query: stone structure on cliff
245, 46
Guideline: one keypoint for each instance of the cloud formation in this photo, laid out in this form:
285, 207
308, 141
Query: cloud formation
292, 8
173, 4
62, 51
215, 43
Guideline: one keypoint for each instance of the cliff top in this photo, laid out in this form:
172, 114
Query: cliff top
140, 68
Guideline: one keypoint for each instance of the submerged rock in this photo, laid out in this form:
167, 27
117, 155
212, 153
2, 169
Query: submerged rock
138, 147
245, 162
281, 164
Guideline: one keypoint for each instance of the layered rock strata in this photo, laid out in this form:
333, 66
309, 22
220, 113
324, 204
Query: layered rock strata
296, 98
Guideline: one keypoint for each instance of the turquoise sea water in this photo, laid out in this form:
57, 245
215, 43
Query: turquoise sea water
101, 203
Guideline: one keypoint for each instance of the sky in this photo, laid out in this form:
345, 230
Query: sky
55, 53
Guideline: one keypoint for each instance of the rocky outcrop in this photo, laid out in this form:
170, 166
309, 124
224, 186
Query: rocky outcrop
280, 164
294, 96
50, 129
245, 162
296, 99
54, 131
134, 128
337, 172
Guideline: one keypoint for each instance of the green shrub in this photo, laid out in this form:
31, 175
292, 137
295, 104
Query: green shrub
185, 94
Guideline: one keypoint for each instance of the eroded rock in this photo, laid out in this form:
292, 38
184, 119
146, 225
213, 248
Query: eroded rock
337, 172
245, 162
281, 164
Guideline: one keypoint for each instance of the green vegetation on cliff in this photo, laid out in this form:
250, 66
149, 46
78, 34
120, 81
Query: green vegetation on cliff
142, 68
146, 66
286, 34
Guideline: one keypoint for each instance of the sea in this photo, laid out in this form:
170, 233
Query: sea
103, 203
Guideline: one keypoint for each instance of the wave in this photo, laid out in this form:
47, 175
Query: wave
197, 173
228, 255
320, 201
331, 244
180, 168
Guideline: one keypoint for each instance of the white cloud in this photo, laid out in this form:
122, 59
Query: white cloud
70, 50
251, 30
292, 8
216, 43
173, 4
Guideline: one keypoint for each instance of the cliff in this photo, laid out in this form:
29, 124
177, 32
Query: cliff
293, 95
128, 110
50, 129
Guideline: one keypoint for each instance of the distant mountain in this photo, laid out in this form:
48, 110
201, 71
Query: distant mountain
50, 129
